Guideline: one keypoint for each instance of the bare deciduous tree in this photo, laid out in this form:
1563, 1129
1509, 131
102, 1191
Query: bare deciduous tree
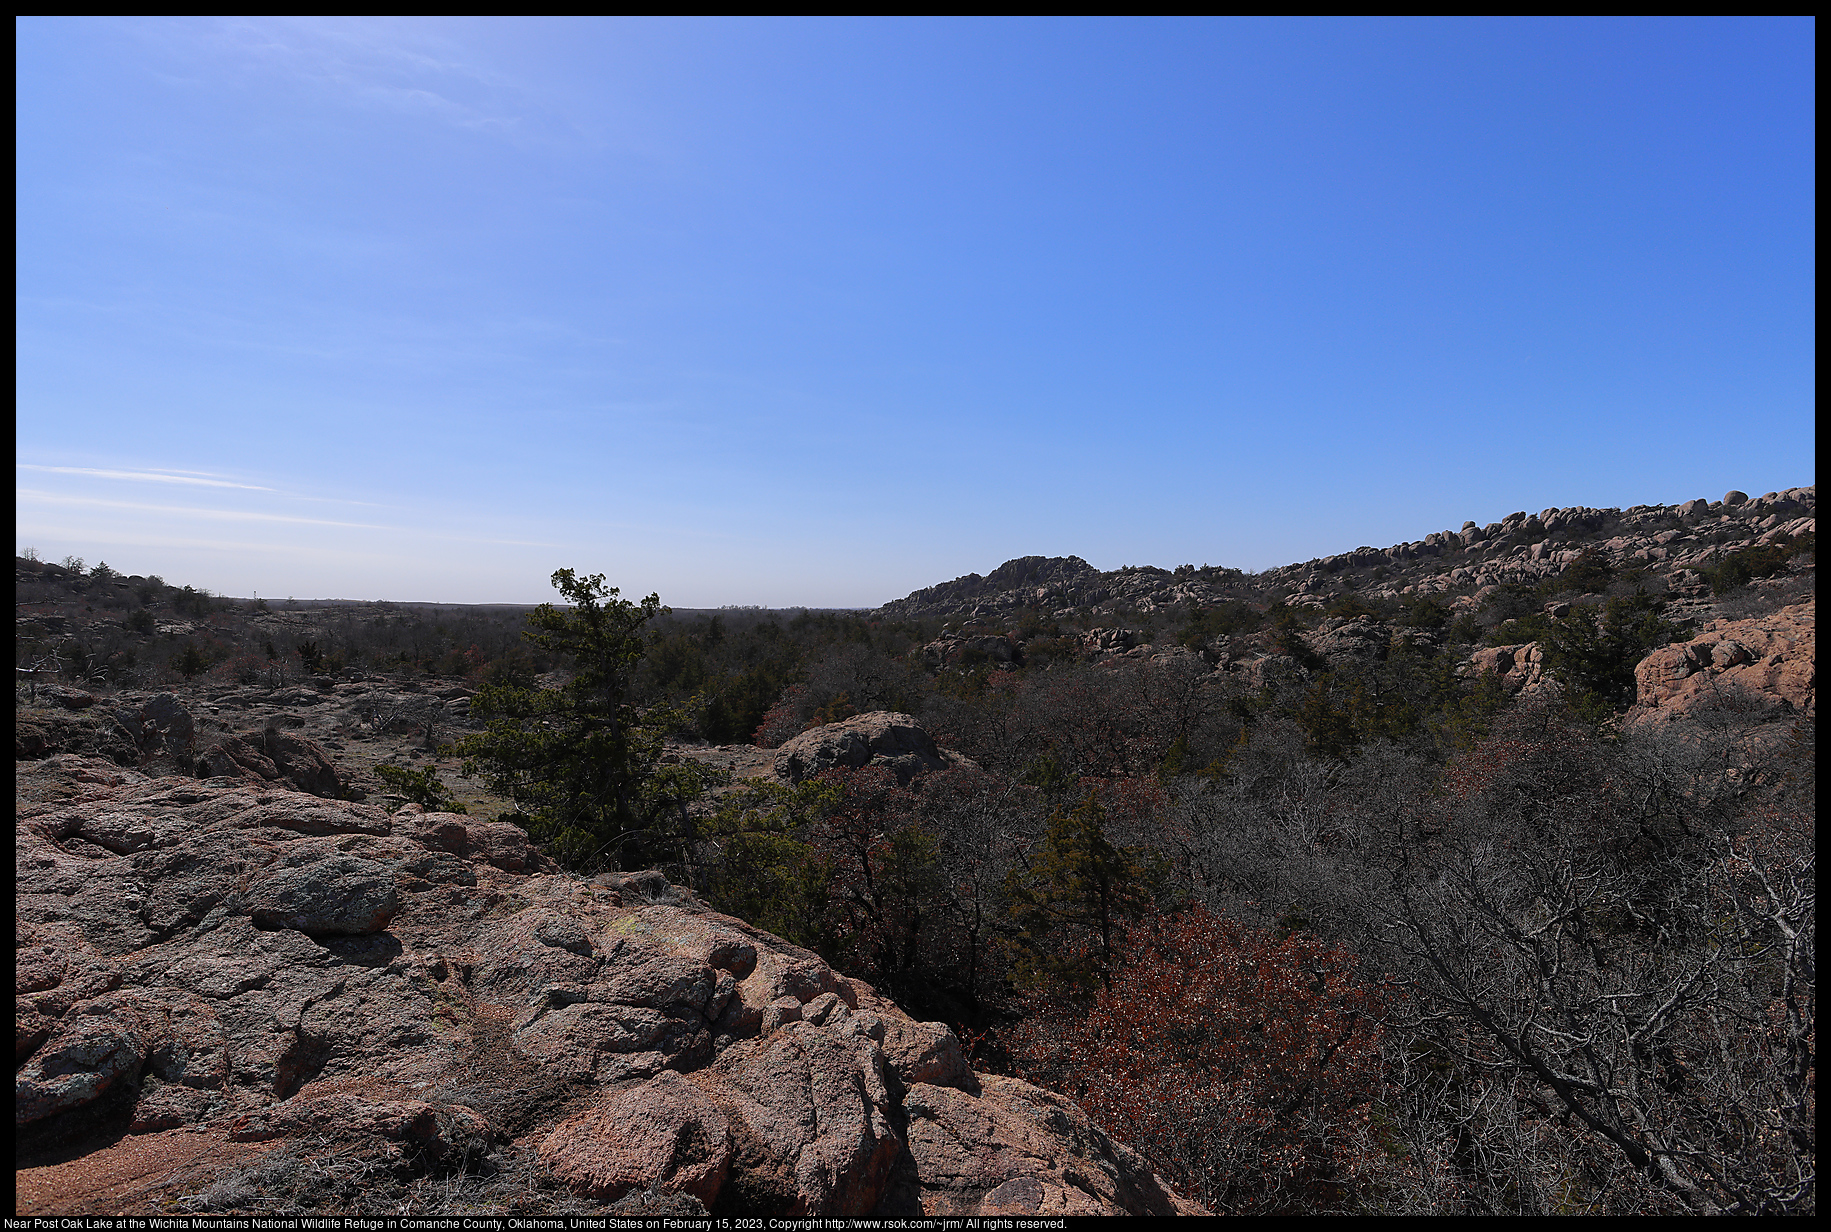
1630, 976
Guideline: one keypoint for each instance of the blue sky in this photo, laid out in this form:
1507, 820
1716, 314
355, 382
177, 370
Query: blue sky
819, 312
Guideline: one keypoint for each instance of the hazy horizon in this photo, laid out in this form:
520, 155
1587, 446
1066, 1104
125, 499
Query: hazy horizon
819, 312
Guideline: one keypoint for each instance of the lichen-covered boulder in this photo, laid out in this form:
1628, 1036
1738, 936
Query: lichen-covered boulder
338, 894
894, 741
665, 1135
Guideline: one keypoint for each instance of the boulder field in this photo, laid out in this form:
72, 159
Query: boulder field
225, 972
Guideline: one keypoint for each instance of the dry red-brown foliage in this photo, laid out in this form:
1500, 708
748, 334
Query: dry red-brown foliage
1242, 1064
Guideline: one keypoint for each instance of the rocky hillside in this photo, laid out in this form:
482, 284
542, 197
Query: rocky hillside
236, 996
1674, 541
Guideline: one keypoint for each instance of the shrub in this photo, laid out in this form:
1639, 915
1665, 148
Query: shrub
1042, 651
1594, 650
1589, 573
1533, 628
191, 602
782, 721
840, 707
1465, 628
1425, 612
1739, 568
1031, 623
1329, 726
248, 668
1510, 601
764, 870
1226, 620
190, 662
576, 759
1610, 1000
515, 668
887, 892
1287, 636
1351, 607
421, 787
1073, 900
734, 706
1242, 1065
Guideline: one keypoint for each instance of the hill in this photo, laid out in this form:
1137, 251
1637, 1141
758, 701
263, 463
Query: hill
1671, 545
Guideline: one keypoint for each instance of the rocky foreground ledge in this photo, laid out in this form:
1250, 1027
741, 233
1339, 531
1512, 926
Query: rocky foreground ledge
234, 997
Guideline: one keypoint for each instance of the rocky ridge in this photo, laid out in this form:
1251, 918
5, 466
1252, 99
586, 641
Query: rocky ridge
1677, 541
295, 981
1759, 663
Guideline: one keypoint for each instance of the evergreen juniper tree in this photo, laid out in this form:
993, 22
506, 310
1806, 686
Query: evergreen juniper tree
580, 760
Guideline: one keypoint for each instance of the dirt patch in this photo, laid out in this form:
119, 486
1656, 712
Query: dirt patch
740, 761
138, 1175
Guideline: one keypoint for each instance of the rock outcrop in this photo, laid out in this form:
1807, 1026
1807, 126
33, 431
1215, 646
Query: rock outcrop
1520, 668
882, 738
230, 961
1028, 581
160, 725
271, 756
1763, 664
1350, 641
44, 732
1001, 1152
948, 650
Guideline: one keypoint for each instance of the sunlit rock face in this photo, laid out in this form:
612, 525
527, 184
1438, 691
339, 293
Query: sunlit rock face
261, 966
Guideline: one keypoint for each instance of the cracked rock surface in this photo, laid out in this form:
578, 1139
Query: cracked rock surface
323, 987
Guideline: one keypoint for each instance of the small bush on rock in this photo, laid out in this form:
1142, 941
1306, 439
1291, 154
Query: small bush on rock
1590, 573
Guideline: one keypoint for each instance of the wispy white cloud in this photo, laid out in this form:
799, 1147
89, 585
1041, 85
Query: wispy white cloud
203, 479
407, 66
245, 550
27, 495
191, 477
